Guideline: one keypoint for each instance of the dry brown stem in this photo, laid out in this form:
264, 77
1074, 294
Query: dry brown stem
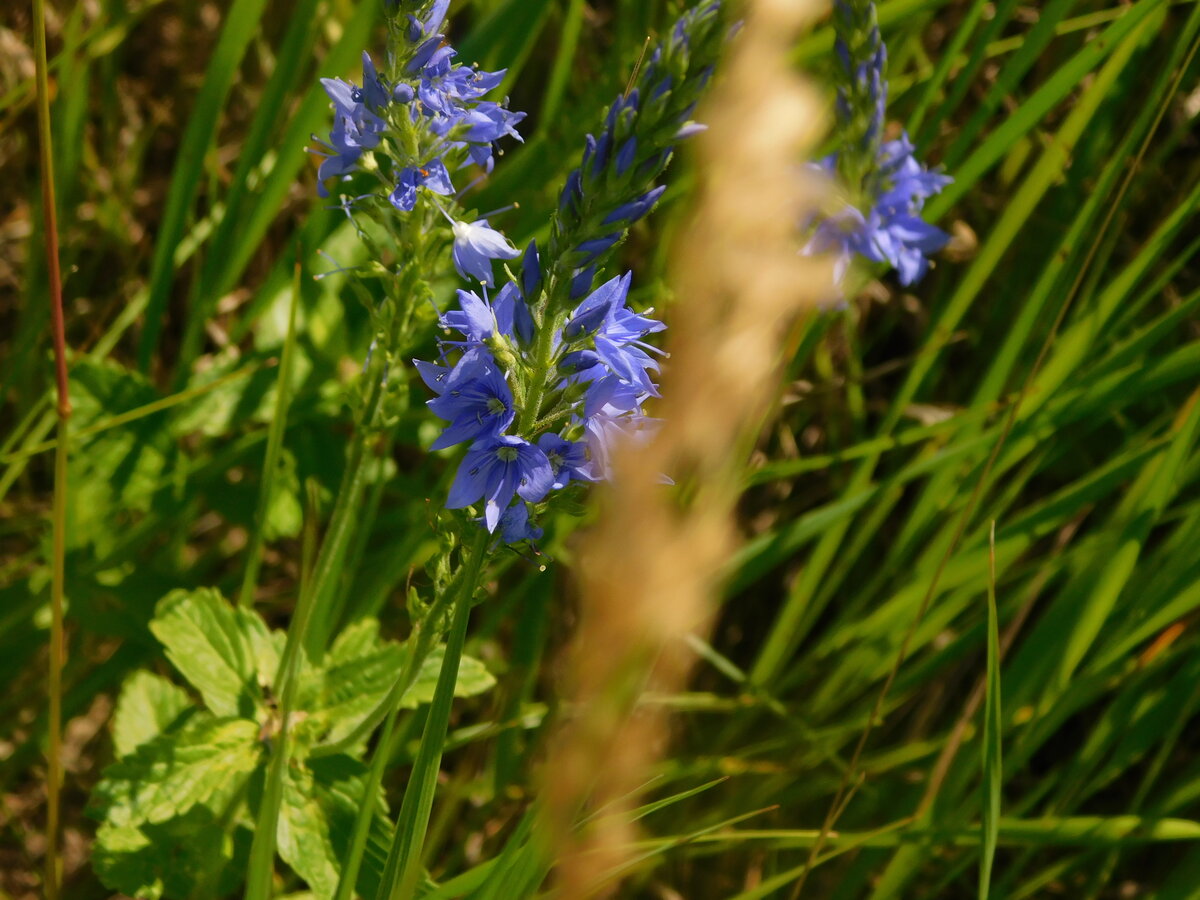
651, 567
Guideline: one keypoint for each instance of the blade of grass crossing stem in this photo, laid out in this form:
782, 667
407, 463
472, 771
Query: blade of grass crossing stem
262, 207
1052, 92
1033, 43
419, 643
961, 33
556, 84
283, 395
404, 859
54, 770
241, 25
260, 869
993, 725
1150, 493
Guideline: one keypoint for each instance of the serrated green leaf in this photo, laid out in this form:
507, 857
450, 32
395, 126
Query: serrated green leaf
204, 763
302, 835
338, 785
186, 858
148, 705
359, 670
119, 469
212, 646
473, 679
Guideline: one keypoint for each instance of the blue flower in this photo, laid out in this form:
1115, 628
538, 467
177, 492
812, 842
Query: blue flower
891, 231
476, 244
596, 307
432, 175
496, 469
479, 318
516, 527
474, 398
568, 459
357, 127
616, 332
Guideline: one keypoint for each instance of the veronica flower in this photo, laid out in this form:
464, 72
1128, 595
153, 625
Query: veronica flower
432, 176
593, 369
883, 224
497, 469
476, 244
480, 318
568, 459
890, 231
357, 125
474, 397
516, 527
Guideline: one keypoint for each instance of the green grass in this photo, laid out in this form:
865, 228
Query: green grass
1042, 377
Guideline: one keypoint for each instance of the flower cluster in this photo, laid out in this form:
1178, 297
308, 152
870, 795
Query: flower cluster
543, 376
880, 221
598, 375
425, 121
614, 185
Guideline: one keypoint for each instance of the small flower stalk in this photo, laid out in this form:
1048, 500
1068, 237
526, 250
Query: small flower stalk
879, 217
404, 146
539, 376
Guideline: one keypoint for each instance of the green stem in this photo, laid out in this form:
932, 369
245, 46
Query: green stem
262, 850
420, 644
404, 859
274, 448
543, 350
54, 771
346, 513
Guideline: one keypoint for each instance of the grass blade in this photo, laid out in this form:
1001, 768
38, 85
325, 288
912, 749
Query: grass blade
993, 776
239, 29
274, 448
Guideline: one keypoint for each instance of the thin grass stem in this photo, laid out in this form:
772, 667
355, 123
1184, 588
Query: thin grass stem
404, 858
274, 448
54, 771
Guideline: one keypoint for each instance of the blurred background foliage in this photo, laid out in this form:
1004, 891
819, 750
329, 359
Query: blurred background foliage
1070, 127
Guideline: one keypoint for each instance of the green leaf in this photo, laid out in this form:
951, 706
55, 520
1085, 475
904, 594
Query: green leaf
473, 679
191, 857
211, 646
117, 470
148, 705
359, 670
204, 763
302, 835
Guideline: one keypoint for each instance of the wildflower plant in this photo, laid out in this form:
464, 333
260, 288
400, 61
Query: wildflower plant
540, 366
541, 375
879, 218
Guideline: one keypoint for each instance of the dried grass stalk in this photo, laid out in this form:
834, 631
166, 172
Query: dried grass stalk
651, 567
